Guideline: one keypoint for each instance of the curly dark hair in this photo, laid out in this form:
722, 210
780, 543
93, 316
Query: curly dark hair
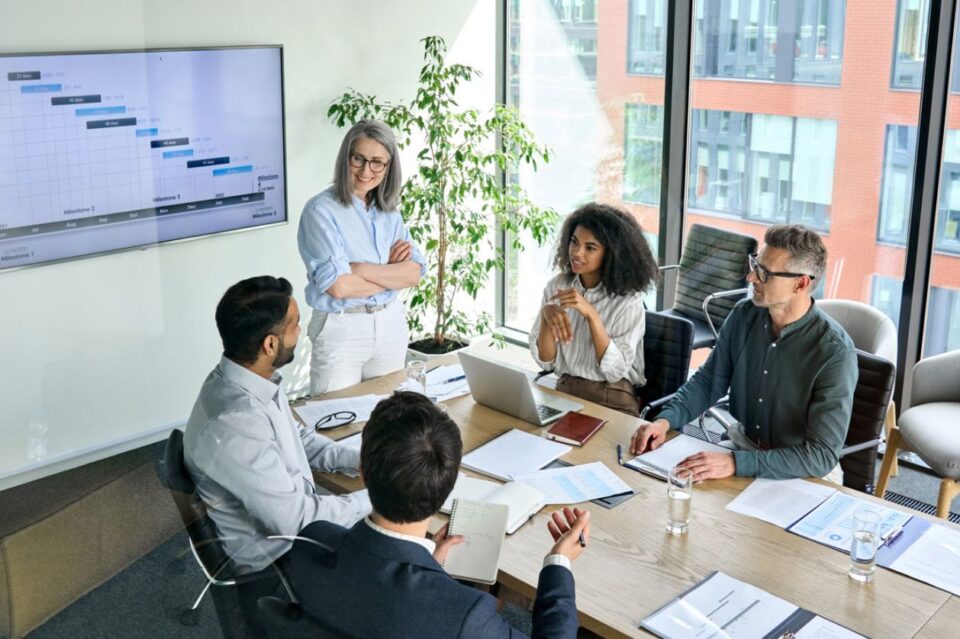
628, 263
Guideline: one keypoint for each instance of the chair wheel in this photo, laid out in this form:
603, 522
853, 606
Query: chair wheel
190, 617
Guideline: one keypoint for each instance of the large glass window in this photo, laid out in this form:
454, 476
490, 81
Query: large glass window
802, 146
773, 40
601, 114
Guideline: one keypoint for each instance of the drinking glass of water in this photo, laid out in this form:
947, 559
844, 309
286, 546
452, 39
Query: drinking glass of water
863, 548
679, 491
417, 376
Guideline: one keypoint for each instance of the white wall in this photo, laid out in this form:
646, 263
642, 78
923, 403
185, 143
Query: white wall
103, 354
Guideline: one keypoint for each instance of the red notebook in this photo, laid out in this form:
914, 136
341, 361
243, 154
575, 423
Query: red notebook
575, 428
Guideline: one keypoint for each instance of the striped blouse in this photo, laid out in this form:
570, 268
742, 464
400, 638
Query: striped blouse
622, 316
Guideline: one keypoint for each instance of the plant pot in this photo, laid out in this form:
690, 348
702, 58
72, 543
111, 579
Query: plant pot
430, 351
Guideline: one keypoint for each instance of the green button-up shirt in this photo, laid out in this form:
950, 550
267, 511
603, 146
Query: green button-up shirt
792, 393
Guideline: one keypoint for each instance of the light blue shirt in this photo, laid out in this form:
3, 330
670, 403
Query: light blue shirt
332, 235
251, 462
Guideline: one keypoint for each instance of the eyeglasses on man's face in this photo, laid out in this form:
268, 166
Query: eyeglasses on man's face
376, 165
763, 273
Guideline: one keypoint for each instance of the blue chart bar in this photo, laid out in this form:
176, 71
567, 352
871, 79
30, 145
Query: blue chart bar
183, 153
233, 169
111, 110
41, 88
146, 133
194, 164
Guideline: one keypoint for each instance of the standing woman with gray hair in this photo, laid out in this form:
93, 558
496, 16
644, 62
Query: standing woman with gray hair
358, 255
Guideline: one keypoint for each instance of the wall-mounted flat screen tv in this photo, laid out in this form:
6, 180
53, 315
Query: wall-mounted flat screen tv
105, 151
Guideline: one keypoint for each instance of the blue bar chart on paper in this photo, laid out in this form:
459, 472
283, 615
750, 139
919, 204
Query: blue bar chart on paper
105, 151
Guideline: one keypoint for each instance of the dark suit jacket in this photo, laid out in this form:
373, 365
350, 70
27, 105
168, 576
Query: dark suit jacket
370, 585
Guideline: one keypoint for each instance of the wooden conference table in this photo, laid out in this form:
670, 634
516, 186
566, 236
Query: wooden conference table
632, 567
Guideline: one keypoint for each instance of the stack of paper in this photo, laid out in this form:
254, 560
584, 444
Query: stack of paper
780, 501
575, 484
513, 453
443, 383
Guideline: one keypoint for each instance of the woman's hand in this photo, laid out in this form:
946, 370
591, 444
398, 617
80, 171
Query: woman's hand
558, 321
400, 252
571, 298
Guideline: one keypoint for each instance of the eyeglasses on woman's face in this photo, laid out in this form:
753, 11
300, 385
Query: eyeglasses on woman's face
376, 165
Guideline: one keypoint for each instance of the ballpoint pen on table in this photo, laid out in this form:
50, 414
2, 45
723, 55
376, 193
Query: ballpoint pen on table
620, 454
454, 379
891, 536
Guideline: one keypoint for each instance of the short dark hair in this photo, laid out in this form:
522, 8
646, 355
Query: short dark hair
807, 251
628, 262
410, 456
249, 311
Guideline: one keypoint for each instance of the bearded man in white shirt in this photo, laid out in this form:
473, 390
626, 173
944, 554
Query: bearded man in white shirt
251, 460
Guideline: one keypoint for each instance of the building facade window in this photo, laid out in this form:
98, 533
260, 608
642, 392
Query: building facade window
766, 168
771, 40
910, 47
643, 153
885, 293
943, 322
646, 42
896, 191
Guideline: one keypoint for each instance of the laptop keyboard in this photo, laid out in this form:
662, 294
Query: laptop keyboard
546, 412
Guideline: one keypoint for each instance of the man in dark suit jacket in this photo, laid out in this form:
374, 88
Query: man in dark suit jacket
383, 578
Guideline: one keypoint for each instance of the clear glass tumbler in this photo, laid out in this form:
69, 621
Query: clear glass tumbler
417, 376
864, 544
679, 492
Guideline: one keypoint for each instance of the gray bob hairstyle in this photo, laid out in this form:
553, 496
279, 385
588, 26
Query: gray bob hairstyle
386, 196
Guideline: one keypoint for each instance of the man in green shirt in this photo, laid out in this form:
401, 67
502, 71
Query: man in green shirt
789, 368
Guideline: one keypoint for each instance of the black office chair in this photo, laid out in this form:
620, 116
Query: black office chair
283, 620
205, 544
870, 400
713, 278
871, 395
667, 345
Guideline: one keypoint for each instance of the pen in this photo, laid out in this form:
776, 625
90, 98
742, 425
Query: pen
583, 542
620, 454
454, 379
891, 535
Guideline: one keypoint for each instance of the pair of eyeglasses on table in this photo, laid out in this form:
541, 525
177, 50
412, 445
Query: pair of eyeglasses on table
339, 418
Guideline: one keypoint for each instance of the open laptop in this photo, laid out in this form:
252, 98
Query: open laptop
509, 390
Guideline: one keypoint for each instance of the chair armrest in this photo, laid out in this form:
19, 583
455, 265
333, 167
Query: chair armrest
713, 296
657, 403
856, 448
668, 267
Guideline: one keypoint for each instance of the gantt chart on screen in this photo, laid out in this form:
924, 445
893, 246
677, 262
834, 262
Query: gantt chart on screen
105, 151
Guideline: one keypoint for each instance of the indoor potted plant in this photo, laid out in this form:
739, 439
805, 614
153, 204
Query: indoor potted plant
457, 196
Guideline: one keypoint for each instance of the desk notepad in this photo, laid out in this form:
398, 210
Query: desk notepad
659, 462
522, 501
483, 526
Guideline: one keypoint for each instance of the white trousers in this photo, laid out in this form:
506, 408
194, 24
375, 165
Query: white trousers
350, 348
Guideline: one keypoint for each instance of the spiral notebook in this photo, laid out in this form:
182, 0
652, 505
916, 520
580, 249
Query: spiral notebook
659, 462
483, 525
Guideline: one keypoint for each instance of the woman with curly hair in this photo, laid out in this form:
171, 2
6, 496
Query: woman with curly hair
589, 330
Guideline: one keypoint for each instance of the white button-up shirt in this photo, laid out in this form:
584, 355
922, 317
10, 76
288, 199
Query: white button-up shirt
251, 462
